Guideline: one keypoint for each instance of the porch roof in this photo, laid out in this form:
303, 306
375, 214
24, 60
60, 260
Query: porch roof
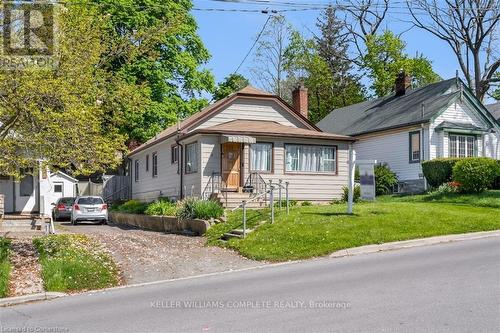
267, 128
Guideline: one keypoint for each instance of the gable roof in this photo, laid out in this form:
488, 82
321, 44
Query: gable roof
63, 175
415, 107
494, 109
191, 122
266, 128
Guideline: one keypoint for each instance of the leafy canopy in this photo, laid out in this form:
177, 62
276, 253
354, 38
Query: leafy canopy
386, 57
155, 46
231, 84
56, 116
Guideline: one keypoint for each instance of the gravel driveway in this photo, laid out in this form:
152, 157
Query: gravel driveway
146, 256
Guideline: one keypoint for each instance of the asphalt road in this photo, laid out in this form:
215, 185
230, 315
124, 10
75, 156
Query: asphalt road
451, 287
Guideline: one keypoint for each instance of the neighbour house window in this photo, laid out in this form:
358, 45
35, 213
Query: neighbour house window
147, 163
26, 186
58, 188
136, 170
191, 158
261, 157
154, 159
462, 145
303, 158
415, 147
174, 154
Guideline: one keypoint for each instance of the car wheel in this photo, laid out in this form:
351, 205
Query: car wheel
104, 222
73, 222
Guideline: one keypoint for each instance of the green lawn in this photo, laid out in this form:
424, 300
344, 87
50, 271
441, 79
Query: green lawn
319, 230
485, 199
4, 266
75, 263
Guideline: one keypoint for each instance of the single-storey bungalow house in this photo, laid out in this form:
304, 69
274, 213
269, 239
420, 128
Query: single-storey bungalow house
248, 136
442, 119
35, 191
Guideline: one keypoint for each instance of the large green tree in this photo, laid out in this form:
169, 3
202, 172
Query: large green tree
156, 47
231, 83
386, 57
321, 64
56, 116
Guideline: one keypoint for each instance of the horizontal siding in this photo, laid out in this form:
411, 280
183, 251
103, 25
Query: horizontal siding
168, 181
311, 187
462, 113
249, 109
192, 181
391, 148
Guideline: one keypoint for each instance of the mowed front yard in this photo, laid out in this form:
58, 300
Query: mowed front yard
319, 230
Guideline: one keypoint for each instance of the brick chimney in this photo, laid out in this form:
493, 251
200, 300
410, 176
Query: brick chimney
299, 98
403, 82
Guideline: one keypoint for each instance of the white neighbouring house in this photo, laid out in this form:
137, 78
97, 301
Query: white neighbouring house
442, 119
250, 135
35, 191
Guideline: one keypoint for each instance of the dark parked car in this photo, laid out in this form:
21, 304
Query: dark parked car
62, 208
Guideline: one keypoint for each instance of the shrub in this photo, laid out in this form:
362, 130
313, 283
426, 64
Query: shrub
446, 188
475, 174
438, 171
357, 193
385, 179
4, 266
161, 207
306, 203
132, 207
192, 208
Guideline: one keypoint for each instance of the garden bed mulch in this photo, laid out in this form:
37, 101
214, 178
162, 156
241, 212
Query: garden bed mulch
25, 276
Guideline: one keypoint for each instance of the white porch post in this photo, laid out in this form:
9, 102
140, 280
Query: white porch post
352, 156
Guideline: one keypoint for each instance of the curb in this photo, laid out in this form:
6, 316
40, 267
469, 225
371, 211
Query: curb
412, 243
30, 298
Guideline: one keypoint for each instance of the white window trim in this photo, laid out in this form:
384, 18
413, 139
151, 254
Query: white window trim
335, 159
457, 143
197, 154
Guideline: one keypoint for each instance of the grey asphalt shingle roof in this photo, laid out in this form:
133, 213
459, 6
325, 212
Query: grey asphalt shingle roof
391, 111
494, 110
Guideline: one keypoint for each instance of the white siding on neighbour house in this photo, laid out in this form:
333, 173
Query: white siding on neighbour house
250, 109
167, 183
459, 112
392, 147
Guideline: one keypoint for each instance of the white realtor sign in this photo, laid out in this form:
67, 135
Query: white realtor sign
367, 179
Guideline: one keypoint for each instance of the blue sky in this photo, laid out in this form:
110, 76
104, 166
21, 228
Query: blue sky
229, 35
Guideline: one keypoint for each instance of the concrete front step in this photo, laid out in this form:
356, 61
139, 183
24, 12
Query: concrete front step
20, 225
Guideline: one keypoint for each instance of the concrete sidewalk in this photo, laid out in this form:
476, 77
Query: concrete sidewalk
413, 243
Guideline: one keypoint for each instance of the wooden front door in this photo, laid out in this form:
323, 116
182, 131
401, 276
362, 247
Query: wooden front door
231, 161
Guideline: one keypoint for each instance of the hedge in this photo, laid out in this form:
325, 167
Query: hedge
475, 174
439, 171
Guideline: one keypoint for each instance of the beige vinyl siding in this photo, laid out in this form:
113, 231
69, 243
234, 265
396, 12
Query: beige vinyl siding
392, 147
317, 187
459, 112
192, 181
167, 183
250, 109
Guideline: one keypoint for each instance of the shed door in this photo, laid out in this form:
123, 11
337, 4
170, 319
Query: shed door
231, 158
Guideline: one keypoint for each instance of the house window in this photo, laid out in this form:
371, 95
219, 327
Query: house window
174, 154
154, 159
191, 158
415, 147
136, 170
462, 145
302, 158
58, 188
147, 163
261, 157
26, 186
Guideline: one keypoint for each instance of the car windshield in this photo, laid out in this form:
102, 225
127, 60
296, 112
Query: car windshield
67, 201
90, 201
